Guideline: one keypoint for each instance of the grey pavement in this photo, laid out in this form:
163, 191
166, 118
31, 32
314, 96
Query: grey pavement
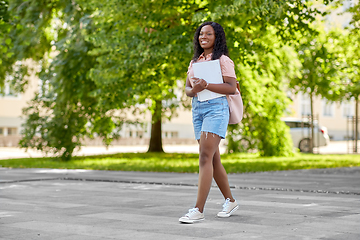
84, 204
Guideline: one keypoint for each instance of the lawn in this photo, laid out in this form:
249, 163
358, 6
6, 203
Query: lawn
187, 163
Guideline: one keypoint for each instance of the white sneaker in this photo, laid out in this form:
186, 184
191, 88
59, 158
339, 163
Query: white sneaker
194, 215
228, 208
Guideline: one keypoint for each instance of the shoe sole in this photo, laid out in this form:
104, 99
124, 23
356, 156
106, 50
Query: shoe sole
229, 214
190, 221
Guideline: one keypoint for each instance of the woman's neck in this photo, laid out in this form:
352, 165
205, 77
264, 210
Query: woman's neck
207, 52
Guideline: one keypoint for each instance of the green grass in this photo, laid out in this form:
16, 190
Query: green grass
177, 162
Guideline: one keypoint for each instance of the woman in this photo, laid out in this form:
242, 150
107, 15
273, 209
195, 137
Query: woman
210, 118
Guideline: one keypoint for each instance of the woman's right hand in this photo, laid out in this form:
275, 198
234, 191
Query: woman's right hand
199, 84
196, 85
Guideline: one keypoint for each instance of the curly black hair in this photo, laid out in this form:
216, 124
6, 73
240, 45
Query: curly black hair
220, 47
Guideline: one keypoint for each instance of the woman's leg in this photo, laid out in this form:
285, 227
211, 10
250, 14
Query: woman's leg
221, 177
209, 143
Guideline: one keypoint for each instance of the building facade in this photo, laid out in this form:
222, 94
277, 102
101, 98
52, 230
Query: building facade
335, 116
11, 105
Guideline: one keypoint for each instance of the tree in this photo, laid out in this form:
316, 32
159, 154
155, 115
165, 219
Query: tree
7, 54
352, 80
66, 110
144, 48
352, 55
263, 79
319, 70
6, 42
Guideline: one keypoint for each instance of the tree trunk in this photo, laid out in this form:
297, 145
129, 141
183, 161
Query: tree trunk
155, 138
356, 124
312, 123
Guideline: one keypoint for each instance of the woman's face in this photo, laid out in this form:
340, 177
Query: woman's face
207, 37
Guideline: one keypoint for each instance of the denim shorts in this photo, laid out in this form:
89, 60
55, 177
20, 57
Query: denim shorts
210, 116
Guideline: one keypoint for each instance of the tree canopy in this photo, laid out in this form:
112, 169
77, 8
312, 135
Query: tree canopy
97, 57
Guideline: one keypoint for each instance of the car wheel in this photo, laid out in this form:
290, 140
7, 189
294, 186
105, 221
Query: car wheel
304, 145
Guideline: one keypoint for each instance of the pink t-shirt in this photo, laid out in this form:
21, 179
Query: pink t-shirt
226, 64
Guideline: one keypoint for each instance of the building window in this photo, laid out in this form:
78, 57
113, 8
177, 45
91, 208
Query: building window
348, 109
328, 108
9, 90
170, 134
139, 134
12, 131
1, 131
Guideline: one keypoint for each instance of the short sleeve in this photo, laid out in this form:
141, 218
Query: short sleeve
190, 71
227, 66
190, 67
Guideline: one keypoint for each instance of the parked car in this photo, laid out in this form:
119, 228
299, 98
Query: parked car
300, 133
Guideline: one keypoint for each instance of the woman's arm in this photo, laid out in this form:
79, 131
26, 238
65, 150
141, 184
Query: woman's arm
188, 89
228, 87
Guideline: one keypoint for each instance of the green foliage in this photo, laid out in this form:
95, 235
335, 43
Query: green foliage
143, 49
320, 68
98, 57
6, 60
144, 52
66, 110
320, 65
262, 81
351, 46
353, 68
259, 35
22, 37
262, 84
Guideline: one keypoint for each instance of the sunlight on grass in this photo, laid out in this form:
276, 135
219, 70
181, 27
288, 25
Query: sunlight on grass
179, 162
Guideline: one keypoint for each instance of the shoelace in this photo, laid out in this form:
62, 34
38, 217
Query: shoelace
191, 212
226, 205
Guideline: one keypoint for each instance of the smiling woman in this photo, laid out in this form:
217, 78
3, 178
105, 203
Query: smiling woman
210, 118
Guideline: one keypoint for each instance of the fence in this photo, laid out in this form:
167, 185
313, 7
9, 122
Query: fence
306, 126
352, 133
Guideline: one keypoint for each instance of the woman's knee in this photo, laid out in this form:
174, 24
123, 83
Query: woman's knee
205, 158
208, 148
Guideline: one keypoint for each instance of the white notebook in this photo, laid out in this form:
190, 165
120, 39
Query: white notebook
210, 71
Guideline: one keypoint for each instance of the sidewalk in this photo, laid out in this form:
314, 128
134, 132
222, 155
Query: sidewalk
82, 204
14, 152
335, 147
